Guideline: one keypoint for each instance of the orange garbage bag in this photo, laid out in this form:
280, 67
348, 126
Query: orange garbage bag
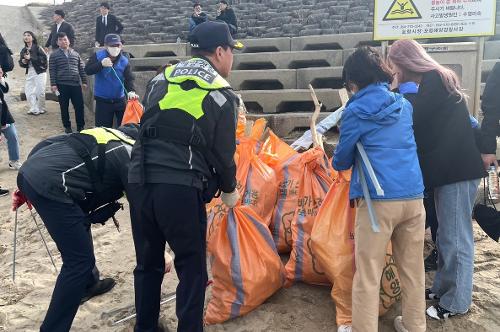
275, 152
289, 174
246, 268
314, 184
241, 125
256, 183
333, 244
133, 112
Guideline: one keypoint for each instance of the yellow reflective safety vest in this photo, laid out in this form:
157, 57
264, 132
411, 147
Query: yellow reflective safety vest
200, 71
105, 135
84, 142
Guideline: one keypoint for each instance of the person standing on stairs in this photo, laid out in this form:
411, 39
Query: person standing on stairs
105, 24
60, 25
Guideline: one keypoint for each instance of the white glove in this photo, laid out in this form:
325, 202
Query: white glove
106, 62
230, 199
132, 95
2, 80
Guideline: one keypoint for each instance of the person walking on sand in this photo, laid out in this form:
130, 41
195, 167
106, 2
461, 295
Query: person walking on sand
381, 121
34, 59
8, 128
66, 73
451, 166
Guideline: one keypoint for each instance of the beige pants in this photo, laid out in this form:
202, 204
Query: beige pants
403, 222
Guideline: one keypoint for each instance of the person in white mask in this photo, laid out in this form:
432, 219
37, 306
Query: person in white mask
114, 81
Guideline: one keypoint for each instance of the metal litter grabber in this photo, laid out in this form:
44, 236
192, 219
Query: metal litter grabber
169, 298
15, 243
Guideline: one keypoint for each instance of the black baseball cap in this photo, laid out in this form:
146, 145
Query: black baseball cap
112, 39
211, 34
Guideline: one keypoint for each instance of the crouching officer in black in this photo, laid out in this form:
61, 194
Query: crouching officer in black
72, 181
184, 154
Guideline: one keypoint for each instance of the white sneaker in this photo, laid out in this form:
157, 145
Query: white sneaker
344, 328
15, 164
398, 324
42, 112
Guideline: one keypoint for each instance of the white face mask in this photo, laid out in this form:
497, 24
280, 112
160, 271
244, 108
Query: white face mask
114, 51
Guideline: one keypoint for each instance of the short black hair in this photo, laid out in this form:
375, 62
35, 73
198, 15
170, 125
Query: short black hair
61, 35
197, 4
207, 51
364, 67
105, 5
59, 12
224, 2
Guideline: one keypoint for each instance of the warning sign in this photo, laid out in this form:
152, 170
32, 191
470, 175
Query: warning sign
402, 10
396, 19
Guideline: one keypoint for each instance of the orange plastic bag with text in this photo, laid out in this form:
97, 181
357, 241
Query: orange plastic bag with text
289, 174
314, 184
246, 268
133, 112
256, 183
333, 244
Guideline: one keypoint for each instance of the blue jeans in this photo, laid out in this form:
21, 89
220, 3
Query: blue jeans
10, 134
455, 244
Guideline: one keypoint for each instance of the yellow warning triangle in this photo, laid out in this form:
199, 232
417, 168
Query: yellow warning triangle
402, 10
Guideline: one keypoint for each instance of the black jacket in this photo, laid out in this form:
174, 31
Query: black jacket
490, 105
229, 17
113, 26
38, 59
168, 162
6, 59
66, 179
66, 70
65, 27
445, 140
5, 116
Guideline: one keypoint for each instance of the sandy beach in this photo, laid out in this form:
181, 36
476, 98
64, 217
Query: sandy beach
302, 307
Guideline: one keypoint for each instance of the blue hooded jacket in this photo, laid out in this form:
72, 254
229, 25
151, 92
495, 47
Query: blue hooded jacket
382, 121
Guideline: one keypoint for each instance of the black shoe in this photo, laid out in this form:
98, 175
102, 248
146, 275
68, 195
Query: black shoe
68, 130
3, 192
438, 312
101, 287
430, 262
79, 129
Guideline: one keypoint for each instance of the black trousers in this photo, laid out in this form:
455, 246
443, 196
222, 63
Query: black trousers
430, 213
67, 226
175, 214
106, 111
73, 93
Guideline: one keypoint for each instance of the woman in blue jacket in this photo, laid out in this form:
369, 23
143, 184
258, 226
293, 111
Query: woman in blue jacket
382, 122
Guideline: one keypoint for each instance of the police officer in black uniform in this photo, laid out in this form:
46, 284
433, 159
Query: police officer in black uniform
184, 153
72, 181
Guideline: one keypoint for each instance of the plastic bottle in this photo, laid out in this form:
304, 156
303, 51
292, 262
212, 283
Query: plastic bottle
493, 185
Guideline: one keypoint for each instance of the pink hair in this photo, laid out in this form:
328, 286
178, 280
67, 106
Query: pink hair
410, 56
